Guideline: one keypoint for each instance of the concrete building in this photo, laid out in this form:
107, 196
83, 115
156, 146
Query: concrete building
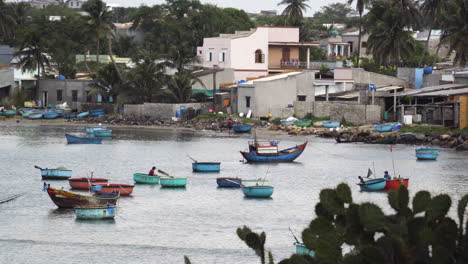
7, 83
75, 3
342, 81
336, 47
6, 54
352, 38
255, 53
74, 92
274, 94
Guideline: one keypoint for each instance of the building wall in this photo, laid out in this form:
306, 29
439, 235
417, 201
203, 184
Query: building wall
242, 93
7, 82
355, 40
243, 51
414, 76
225, 76
276, 55
67, 87
216, 46
6, 54
283, 34
461, 79
362, 76
160, 111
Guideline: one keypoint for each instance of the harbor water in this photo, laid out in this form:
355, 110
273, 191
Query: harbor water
157, 225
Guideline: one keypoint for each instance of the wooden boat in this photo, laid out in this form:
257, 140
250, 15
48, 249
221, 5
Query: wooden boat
206, 166
303, 123
318, 123
35, 115
66, 199
95, 212
9, 112
302, 250
85, 183
95, 128
285, 122
123, 189
224, 182
103, 133
254, 182
241, 128
98, 112
330, 124
145, 178
50, 115
268, 152
261, 191
83, 114
59, 173
80, 140
173, 182
394, 184
373, 185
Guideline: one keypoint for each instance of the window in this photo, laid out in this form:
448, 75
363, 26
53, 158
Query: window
71, 3
247, 101
286, 54
88, 97
301, 98
364, 44
59, 96
74, 96
209, 56
222, 56
351, 46
259, 56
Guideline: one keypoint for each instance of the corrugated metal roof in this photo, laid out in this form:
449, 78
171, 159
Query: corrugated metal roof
415, 92
445, 93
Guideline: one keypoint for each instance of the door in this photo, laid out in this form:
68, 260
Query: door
45, 99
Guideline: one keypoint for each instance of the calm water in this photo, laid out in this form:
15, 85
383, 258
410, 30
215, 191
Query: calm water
162, 225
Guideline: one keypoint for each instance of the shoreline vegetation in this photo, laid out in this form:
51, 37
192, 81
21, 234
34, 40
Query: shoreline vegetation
413, 134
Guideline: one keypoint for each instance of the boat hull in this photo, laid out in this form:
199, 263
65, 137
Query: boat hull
206, 166
318, 123
383, 128
85, 183
331, 124
303, 123
95, 213
173, 182
258, 191
66, 199
35, 116
145, 178
98, 112
287, 122
123, 189
79, 140
56, 174
373, 185
84, 114
228, 182
103, 133
281, 156
241, 128
50, 115
302, 250
394, 184
92, 129
426, 156
9, 112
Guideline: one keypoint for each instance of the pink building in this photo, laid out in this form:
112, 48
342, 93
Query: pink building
258, 52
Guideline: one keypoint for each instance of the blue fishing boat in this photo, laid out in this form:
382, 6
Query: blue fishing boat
59, 173
80, 140
427, 153
206, 166
50, 115
224, 182
383, 127
268, 152
302, 250
83, 114
261, 191
95, 213
145, 178
103, 133
331, 124
35, 115
241, 128
373, 185
9, 112
69, 115
98, 112
173, 182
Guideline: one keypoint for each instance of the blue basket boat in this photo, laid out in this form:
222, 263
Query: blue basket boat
331, 124
241, 128
224, 182
83, 114
258, 191
145, 178
302, 250
95, 128
103, 133
35, 115
206, 166
59, 173
427, 153
69, 115
98, 112
373, 185
50, 115
268, 152
80, 140
96, 213
383, 128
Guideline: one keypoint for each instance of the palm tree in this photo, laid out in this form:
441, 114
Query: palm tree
455, 29
360, 5
145, 80
180, 86
294, 11
100, 20
432, 9
7, 21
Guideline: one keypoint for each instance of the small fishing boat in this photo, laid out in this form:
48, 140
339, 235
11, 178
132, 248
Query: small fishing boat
50, 115
35, 115
173, 182
123, 189
394, 184
318, 123
81, 140
373, 185
206, 166
66, 199
59, 173
427, 153
91, 130
98, 112
224, 182
85, 183
145, 178
69, 115
9, 112
95, 212
83, 114
267, 151
330, 124
254, 182
286, 122
303, 123
103, 133
302, 250
261, 191
383, 128
241, 128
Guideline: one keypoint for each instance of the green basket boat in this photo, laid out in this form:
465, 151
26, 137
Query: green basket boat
9, 112
145, 178
303, 123
173, 182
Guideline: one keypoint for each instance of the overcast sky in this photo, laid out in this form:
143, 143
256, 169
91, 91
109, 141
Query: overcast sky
250, 6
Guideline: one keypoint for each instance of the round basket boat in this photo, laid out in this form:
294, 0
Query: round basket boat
173, 182
264, 191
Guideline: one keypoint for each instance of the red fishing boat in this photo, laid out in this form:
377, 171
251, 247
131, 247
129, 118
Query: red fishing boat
85, 183
123, 189
394, 184
66, 199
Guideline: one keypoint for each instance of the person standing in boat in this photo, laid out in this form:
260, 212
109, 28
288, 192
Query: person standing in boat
151, 172
387, 176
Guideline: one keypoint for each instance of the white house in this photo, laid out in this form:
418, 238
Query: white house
75, 3
254, 53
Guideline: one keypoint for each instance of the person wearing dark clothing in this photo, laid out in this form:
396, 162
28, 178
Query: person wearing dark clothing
229, 123
151, 172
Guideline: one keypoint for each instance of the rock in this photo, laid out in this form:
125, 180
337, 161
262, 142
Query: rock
452, 143
464, 136
420, 136
445, 137
435, 142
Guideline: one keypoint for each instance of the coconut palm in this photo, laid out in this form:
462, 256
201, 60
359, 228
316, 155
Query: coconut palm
7, 21
455, 29
145, 80
360, 5
294, 11
180, 86
432, 9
